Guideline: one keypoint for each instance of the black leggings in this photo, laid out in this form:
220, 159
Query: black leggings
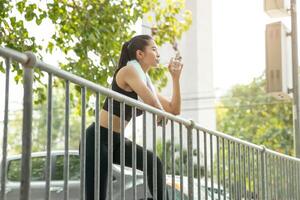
90, 144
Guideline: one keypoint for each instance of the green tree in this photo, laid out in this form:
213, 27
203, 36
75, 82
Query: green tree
177, 159
159, 146
39, 130
247, 112
89, 29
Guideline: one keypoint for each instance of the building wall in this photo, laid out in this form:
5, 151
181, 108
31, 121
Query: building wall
197, 77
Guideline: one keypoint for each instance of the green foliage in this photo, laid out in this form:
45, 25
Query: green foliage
159, 147
89, 34
247, 112
85, 30
158, 76
2, 67
14, 34
39, 126
177, 159
165, 22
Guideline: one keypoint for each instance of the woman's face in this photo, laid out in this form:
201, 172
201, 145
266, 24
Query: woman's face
150, 55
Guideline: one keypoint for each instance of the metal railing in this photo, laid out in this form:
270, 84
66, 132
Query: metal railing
230, 168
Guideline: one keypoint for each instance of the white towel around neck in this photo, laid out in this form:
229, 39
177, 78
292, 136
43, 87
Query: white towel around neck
144, 76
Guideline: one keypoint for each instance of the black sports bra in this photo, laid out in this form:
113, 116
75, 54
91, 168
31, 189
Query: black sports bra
116, 104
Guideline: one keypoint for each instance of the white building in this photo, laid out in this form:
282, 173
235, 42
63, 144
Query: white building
197, 77
197, 88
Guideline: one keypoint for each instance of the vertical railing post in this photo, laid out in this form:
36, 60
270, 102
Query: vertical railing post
205, 164
234, 173
164, 151
67, 136
122, 147
240, 182
253, 173
211, 165
154, 176
110, 150
257, 173
263, 173
229, 170
83, 144
134, 153
97, 155
27, 127
199, 165
249, 171
298, 179
181, 161
218, 167
190, 160
4, 141
244, 172
173, 159
49, 134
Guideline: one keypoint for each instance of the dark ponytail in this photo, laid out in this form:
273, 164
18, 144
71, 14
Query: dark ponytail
129, 48
124, 57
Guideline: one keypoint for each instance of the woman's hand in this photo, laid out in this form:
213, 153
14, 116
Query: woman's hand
175, 68
160, 120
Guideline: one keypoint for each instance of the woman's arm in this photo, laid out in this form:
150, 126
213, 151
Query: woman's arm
174, 105
130, 77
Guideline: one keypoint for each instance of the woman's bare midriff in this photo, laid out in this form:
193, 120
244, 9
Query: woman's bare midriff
116, 121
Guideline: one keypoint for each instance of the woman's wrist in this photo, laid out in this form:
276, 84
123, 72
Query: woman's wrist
175, 78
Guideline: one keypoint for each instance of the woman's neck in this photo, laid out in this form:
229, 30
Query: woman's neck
144, 67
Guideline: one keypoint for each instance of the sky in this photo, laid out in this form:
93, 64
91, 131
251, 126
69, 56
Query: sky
238, 45
239, 41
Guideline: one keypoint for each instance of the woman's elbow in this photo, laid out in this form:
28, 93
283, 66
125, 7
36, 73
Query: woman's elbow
176, 112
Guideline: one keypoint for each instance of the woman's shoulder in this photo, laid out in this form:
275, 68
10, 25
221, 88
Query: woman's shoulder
122, 74
127, 71
129, 74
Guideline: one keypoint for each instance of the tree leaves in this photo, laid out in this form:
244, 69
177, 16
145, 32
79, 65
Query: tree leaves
86, 28
247, 112
1, 67
21, 6
30, 12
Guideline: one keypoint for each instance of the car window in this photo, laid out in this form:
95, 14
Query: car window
37, 169
74, 168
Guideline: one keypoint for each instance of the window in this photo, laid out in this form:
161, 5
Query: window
37, 169
14, 170
74, 168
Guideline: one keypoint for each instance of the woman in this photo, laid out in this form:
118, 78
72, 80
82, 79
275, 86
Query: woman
137, 57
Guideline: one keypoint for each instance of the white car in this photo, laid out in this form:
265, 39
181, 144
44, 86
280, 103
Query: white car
56, 188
